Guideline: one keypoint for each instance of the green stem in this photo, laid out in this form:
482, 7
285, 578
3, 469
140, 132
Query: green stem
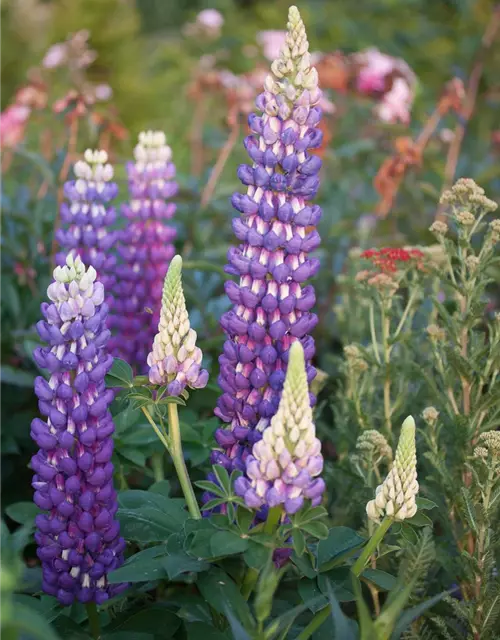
371, 546
357, 569
374, 333
252, 575
249, 582
386, 322
315, 623
157, 466
156, 430
408, 307
273, 518
93, 616
178, 460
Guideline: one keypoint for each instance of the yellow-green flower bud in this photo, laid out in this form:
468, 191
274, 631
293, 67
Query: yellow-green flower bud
175, 359
395, 497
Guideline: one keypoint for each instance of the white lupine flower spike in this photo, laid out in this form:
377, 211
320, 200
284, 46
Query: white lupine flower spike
395, 497
175, 360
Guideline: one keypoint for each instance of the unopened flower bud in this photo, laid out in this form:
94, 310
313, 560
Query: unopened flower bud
395, 497
481, 452
175, 361
466, 218
436, 333
430, 415
439, 228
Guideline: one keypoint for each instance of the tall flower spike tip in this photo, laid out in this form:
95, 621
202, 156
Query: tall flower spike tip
78, 536
395, 497
145, 247
292, 73
276, 235
175, 359
284, 466
87, 216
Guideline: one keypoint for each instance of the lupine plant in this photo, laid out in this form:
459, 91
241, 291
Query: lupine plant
78, 539
366, 511
87, 216
145, 249
272, 307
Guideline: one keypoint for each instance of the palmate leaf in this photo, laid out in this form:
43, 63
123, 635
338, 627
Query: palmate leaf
211, 487
341, 542
223, 478
120, 374
221, 592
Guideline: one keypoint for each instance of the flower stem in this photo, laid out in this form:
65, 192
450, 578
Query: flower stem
372, 544
386, 322
374, 333
252, 575
249, 582
357, 569
93, 616
156, 429
157, 466
178, 460
273, 518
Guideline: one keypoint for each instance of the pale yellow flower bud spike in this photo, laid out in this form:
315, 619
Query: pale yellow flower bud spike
395, 498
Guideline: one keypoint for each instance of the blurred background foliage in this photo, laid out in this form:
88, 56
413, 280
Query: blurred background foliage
143, 55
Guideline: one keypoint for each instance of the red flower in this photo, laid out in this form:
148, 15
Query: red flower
386, 259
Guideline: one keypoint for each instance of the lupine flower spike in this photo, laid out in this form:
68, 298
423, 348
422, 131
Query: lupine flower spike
272, 307
87, 216
79, 537
145, 247
284, 466
175, 360
395, 497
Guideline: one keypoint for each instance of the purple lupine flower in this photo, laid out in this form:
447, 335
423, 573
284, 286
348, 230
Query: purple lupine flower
87, 216
272, 302
284, 467
145, 248
79, 537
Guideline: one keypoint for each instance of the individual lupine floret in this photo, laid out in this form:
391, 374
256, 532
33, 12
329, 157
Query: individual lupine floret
79, 538
175, 360
284, 466
145, 248
87, 216
277, 230
395, 497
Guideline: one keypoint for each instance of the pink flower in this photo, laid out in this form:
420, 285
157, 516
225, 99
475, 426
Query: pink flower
396, 104
376, 66
12, 124
211, 19
271, 43
55, 56
103, 92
